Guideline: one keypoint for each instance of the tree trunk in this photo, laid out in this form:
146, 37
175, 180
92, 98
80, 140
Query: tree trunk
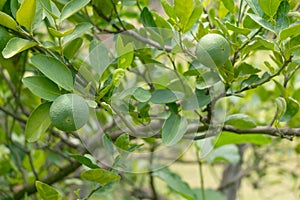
231, 178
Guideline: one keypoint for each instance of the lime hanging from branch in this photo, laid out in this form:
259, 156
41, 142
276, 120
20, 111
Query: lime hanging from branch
213, 50
69, 112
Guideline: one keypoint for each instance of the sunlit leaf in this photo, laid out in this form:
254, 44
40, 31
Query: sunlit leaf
38, 122
54, 70
173, 129
72, 7
8, 21
47, 192
240, 121
100, 176
17, 45
26, 12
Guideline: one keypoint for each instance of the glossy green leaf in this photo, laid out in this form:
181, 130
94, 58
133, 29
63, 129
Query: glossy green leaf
141, 94
8, 21
282, 20
254, 5
292, 31
79, 30
26, 12
125, 53
229, 4
72, 7
197, 11
245, 69
42, 87
38, 122
173, 129
292, 108
175, 182
203, 97
233, 138
183, 10
122, 142
243, 31
163, 96
168, 9
240, 121
85, 161
100, 176
147, 18
16, 45
54, 70
59, 34
262, 22
229, 153
50, 8
72, 47
269, 6
47, 192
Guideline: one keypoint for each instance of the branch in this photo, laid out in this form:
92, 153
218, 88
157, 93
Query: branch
50, 179
285, 64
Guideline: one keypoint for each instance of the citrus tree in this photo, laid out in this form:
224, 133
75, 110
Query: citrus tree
100, 99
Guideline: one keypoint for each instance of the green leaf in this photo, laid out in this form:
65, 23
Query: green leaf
125, 53
16, 45
203, 97
100, 176
292, 31
79, 30
282, 20
183, 10
233, 138
49, 7
59, 34
240, 121
173, 129
207, 80
229, 4
243, 31
175, 182
262, 22
253, 4
229, 153
42, 87
38, 122
8, 21
72, 7
47, 192
26, 12
168, 9
54, 70
197, 11
72, 47
147, 18
291, 109
245, 69
163, 96
141, 94
269, 6
85, 161
122, 142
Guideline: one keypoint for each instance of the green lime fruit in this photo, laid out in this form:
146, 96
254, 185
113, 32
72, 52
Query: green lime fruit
69, 112
213, 50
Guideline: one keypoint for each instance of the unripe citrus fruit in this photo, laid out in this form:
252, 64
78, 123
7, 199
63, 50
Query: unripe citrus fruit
69, 112
213, 50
